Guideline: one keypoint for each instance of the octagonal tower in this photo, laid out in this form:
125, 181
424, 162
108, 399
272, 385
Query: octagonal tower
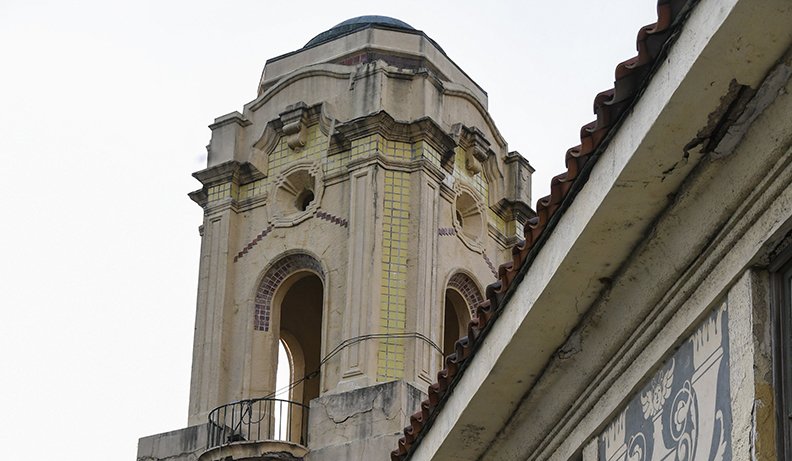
352, 214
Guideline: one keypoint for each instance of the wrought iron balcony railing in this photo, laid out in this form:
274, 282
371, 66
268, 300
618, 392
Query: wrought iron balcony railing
258, 420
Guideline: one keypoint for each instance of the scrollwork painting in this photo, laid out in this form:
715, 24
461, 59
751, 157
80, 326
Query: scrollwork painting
683, 413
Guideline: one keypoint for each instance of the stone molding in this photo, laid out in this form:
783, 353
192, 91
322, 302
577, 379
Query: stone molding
231, 171
381, 123
227, 119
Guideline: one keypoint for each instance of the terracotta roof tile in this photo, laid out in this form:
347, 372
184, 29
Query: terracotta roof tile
631, 77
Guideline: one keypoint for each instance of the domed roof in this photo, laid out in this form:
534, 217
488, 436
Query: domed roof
359, 22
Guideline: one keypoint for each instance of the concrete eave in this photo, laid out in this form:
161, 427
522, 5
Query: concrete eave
642, 166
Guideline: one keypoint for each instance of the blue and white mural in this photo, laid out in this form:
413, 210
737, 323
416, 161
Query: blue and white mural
684, 412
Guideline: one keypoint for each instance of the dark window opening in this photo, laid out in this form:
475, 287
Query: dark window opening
304, 200
781, 280
455, 320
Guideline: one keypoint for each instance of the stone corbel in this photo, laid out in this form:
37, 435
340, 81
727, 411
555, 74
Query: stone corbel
477, 152
474, 144
294, 120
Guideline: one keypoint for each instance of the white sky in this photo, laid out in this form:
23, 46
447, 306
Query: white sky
103, 114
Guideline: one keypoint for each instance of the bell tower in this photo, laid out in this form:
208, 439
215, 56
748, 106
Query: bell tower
353, 212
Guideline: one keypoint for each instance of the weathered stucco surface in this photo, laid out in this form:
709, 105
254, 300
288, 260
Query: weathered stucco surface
360, 424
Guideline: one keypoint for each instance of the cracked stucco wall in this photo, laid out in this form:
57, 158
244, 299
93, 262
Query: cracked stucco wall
360, 424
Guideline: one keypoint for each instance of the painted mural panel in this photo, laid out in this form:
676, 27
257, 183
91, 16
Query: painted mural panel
684, 411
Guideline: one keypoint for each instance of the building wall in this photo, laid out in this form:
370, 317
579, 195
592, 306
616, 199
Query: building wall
675, 356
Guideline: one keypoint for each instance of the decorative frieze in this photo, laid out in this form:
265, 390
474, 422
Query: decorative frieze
684, 411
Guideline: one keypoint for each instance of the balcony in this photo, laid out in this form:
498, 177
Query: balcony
257, 430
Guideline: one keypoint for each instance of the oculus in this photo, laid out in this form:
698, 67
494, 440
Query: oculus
296, 195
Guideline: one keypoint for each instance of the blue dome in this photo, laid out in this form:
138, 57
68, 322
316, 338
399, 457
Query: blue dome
359, 22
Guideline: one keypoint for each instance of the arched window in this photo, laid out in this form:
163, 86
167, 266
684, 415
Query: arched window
287, 342
461, 296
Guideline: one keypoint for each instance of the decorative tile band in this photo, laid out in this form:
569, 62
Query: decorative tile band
489, 263
253, 243
319, 214
333, 219
273, 279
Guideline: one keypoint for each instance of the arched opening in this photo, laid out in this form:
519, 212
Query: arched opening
455, 320
286, 347
461, 297
285, 372
301, 332
284, 377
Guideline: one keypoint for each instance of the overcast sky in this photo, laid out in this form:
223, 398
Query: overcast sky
104, 107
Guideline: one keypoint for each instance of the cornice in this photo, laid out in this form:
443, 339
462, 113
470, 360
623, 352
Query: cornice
228, 119
423, 129
232, 170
